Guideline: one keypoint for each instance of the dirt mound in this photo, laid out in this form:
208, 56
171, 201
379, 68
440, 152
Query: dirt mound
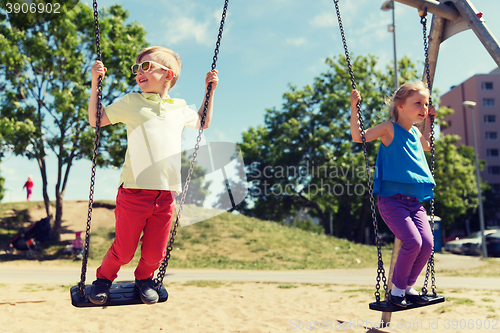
75, 217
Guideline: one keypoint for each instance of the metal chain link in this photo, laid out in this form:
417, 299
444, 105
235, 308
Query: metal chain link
81, 284
163, 267
430, 263
380, 267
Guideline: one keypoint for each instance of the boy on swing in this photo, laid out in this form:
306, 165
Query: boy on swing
145, 202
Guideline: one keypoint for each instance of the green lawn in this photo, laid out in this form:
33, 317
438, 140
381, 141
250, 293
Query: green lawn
231, 241
225, 241
239, 242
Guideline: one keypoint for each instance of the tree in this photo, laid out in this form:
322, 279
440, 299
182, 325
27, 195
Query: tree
456, 197
2, 189
456, 186
198, 188
7, 128
303, 156
45, 71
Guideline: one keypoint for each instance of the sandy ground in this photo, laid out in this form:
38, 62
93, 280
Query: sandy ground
243, 307
211, 301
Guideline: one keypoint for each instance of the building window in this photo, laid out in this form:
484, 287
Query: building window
491, 136
487, 85
490, 119
494, 170
490, 102
492, 152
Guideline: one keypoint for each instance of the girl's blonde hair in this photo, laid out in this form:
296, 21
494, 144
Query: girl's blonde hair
166, 57
400, 96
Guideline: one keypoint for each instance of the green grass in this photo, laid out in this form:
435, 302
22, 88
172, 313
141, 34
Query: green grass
287, 286
444, 309
362, 290
231, 241
487, 300
490, 269
460, 301
227, 241
239, 242
204, 284
490, 309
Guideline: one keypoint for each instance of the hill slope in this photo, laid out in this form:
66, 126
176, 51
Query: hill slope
225, 241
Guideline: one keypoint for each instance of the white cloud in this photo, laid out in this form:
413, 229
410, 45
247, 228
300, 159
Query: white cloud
324, 20
187, 22
184, 28
296, 41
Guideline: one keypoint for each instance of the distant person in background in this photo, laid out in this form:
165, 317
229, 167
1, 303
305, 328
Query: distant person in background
78, 245
29, 188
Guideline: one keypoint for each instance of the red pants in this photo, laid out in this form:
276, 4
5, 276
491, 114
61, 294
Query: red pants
137, 211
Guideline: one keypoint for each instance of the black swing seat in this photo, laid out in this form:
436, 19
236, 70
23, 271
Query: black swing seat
120, 293
386, 306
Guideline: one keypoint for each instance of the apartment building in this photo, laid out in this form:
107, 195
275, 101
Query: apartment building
484, 89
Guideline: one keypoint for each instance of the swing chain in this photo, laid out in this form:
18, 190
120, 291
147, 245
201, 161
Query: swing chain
380, 267
81, 284
430, 263
163, 267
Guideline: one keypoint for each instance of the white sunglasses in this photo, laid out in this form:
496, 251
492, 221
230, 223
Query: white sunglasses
146, 66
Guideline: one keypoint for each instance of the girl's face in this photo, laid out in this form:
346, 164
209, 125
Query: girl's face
415, 107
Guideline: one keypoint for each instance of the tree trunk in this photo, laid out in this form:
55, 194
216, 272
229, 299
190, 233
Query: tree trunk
362, 219
56, 231
349, 222
43, 172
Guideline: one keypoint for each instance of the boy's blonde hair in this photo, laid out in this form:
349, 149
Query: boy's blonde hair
400, 96
166, 57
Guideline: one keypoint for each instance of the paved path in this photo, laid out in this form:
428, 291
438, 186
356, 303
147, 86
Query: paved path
40, 273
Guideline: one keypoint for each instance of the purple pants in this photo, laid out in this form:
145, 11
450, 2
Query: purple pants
407, 219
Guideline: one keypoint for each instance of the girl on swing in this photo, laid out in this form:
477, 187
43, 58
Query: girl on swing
402, 181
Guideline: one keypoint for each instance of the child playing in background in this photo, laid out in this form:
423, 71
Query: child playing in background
29, 188
151, 171
77, 245
402, 180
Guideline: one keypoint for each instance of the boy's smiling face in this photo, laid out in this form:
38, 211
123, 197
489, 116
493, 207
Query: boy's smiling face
155, 80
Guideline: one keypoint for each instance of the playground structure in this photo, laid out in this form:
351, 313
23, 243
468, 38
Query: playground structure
451, 17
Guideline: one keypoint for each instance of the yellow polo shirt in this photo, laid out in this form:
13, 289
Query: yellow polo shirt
154, 130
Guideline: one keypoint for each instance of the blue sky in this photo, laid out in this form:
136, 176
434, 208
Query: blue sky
266, 45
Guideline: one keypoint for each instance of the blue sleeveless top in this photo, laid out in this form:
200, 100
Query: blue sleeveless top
402, 167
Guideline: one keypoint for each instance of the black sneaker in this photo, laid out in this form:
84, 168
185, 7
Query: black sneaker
147, 291
398, 300
419, 299
100, 291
